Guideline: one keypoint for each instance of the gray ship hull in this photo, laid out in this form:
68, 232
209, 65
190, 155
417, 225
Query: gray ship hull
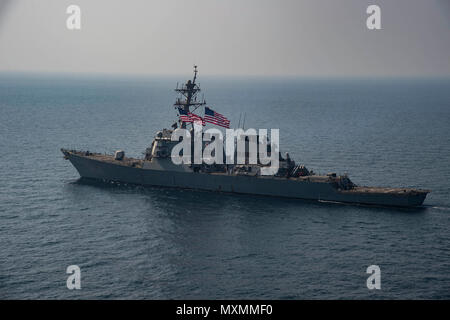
92, 168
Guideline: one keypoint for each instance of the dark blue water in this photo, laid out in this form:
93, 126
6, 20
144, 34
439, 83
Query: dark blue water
156, 243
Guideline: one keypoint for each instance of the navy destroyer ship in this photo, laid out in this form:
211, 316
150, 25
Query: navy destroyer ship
291, 180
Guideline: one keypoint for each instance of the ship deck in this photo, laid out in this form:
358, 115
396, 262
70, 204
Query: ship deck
126, 161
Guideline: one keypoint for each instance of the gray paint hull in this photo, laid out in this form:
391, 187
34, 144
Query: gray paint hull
266, 186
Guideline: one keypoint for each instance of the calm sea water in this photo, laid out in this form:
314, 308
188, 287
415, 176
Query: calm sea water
155, 243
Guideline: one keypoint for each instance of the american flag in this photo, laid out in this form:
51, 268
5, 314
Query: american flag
190, 117
216, 118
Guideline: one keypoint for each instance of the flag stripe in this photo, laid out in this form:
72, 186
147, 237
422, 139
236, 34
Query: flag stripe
216, 121
220, 119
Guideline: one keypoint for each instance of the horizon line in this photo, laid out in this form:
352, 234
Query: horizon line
222, 75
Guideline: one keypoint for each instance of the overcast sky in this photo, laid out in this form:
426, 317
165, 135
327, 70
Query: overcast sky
229, 37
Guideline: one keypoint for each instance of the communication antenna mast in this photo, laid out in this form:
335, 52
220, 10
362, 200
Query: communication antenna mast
187, 96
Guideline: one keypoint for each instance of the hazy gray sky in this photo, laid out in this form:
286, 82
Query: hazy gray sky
233, 37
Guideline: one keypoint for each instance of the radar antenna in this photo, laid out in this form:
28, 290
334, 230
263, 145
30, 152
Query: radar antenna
187, 96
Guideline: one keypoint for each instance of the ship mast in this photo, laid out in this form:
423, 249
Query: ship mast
188, 96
